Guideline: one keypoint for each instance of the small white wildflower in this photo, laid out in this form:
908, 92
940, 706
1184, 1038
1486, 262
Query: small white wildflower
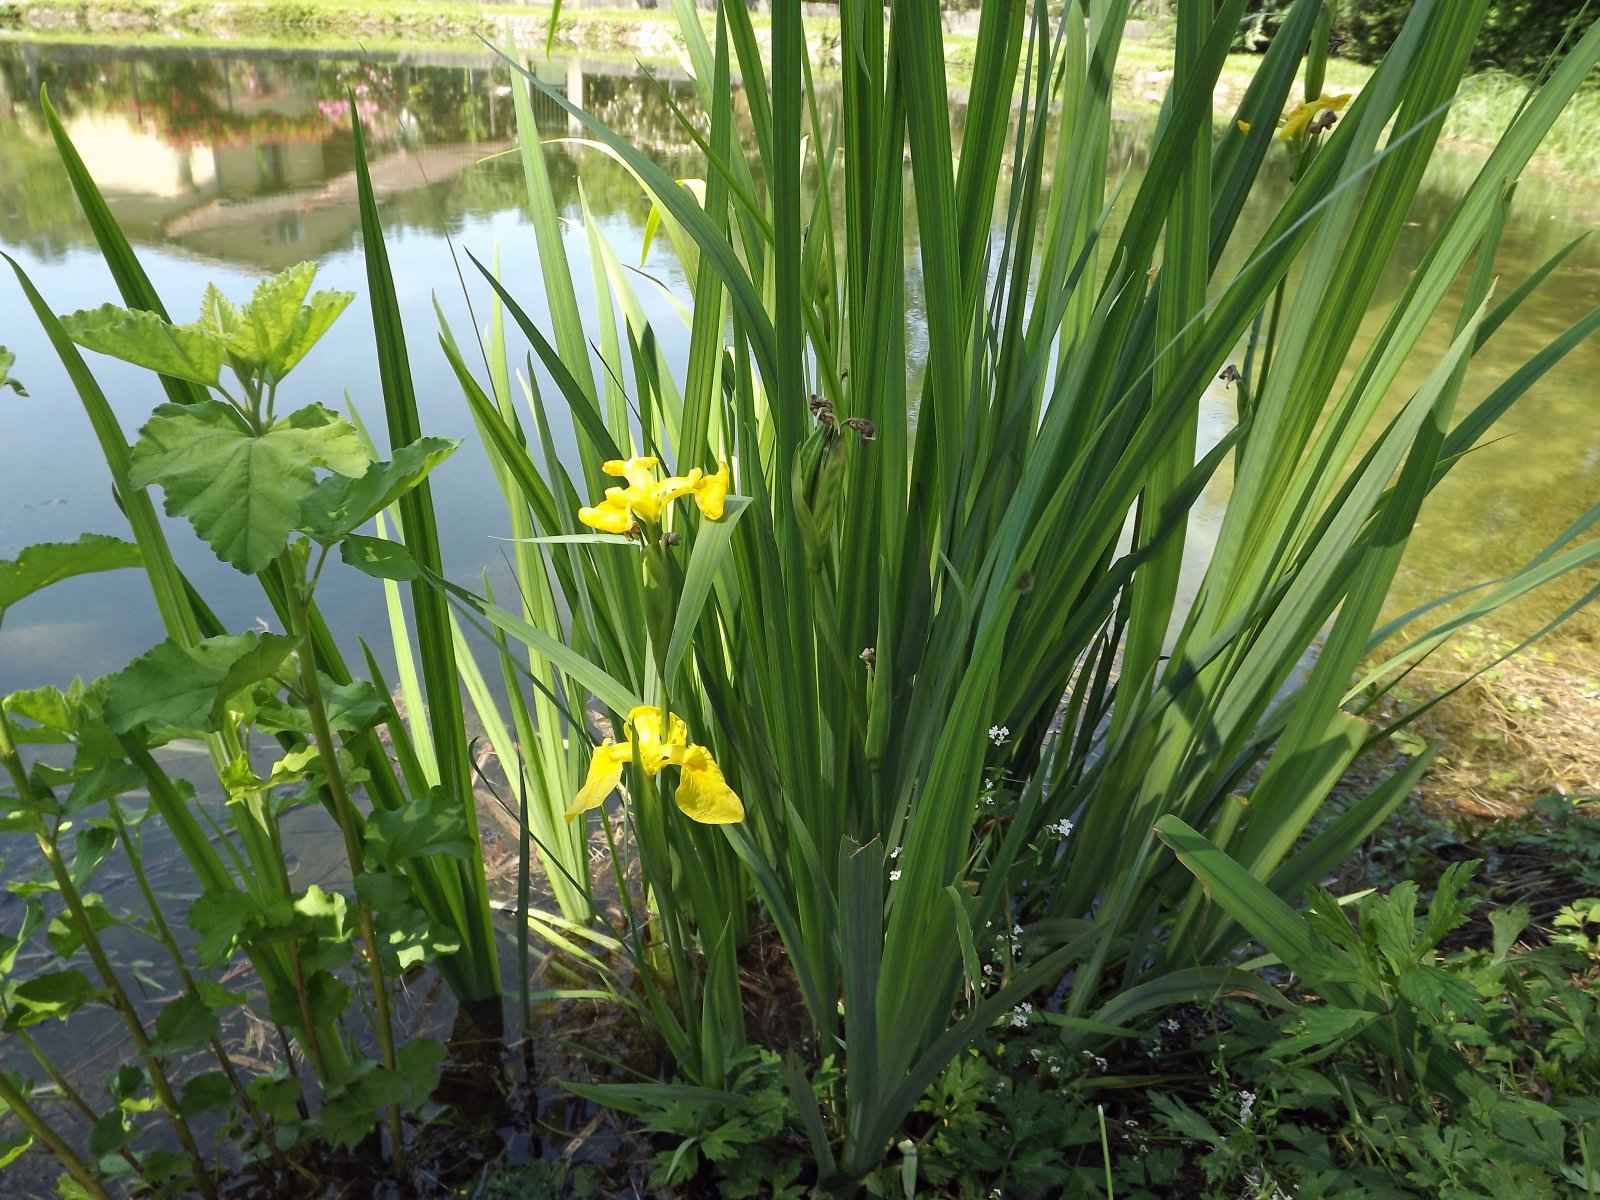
894, 876
988, 968
1062, 828
1247, 1105
895, 853
1020, 1015
1170, 1025
1016, 931
998, 734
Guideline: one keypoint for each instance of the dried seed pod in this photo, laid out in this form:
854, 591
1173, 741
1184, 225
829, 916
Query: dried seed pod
864, 427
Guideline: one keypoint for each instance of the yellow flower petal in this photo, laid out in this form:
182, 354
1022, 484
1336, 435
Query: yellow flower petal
1298, 117
637, 471
1244, 126
611, 515
605, 772
673, 486
712, 493
703, 794
656, 750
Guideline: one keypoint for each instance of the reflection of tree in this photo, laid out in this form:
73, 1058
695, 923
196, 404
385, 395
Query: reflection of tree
37, 208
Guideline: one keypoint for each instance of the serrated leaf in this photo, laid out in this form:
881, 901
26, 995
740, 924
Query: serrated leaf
340, 504
64, 932
381, 891
310, 323
32, 919
221, 921
407, 938
326, 999
6, 359
208, 1093
111, 1132
1435, 990
275, 328
1324, 1026
184, 1024
276, 1094
101, 782
45, 997
241, 491
324, 921
94, 846
188, 689
13, 1148
433, 825
48, 562
47, 708
351, 708
126, 1083
380, 558
189, 352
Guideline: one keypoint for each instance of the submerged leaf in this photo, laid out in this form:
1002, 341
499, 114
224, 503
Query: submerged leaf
241, 491
189, 352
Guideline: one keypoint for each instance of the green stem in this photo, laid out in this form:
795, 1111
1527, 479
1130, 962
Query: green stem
164, 933
68, 1092
344, 813
76, 1167
130, 1016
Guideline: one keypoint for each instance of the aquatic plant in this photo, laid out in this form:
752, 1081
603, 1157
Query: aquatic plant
885, 628
942, 657
273, 494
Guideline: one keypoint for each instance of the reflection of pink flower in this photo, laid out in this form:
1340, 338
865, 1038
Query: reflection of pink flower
338, 111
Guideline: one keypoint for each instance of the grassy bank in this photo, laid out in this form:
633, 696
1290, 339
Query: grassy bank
1143, 71
641, 34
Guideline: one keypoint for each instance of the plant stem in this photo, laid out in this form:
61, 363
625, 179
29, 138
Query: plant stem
164, 932
76, 1167
68, 1092
130, 1016
344, 812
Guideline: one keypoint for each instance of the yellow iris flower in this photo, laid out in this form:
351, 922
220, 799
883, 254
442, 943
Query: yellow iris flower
703, 794
1297, 118
646, 498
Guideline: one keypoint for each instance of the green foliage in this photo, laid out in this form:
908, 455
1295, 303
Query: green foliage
41, 565
7, 359
242, 490
272, 496
732, 1138
1518, 36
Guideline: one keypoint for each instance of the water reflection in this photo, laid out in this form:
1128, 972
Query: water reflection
229, 164
247, 158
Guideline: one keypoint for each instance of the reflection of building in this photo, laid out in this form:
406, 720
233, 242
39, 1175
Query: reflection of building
277, 230
245, 156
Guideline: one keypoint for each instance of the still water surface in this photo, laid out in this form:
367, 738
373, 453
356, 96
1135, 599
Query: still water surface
225, 166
